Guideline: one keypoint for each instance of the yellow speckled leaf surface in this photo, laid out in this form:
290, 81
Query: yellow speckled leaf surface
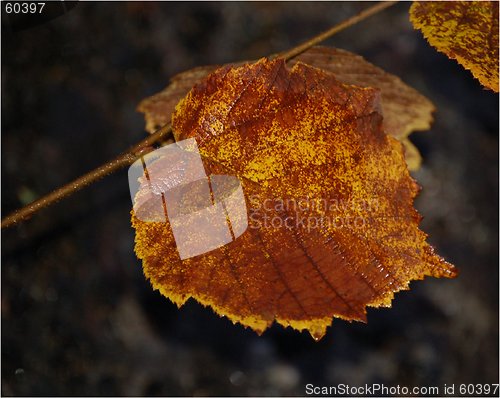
404, 109
312, 157
464, 30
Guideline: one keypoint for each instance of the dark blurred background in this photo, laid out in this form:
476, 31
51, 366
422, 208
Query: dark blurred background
79, 318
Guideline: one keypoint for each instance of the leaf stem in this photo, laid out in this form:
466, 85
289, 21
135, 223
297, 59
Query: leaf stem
335, 29
143, 146
110, 167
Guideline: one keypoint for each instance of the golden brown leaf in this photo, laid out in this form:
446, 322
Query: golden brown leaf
331, 229
412, 155
404, 109
158, 108
464, 30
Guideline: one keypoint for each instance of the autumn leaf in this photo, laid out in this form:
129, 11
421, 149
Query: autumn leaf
405, 110
331, 224
464, 30
158, 108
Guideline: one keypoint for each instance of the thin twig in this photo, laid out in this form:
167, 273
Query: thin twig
141, 148
110, 167
337, 28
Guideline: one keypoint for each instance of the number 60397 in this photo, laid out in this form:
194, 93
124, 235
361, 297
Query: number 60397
24, 8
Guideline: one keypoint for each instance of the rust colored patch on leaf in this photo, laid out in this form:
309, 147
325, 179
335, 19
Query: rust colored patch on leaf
464, 30
404, 109
332, 228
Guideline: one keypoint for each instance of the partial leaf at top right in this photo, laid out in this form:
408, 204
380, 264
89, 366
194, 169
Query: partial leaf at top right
464, 30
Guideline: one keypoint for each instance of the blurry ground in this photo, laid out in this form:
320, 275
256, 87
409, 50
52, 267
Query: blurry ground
78, 317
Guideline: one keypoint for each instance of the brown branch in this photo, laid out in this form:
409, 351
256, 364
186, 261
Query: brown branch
142, 147
110, 167
335, 29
